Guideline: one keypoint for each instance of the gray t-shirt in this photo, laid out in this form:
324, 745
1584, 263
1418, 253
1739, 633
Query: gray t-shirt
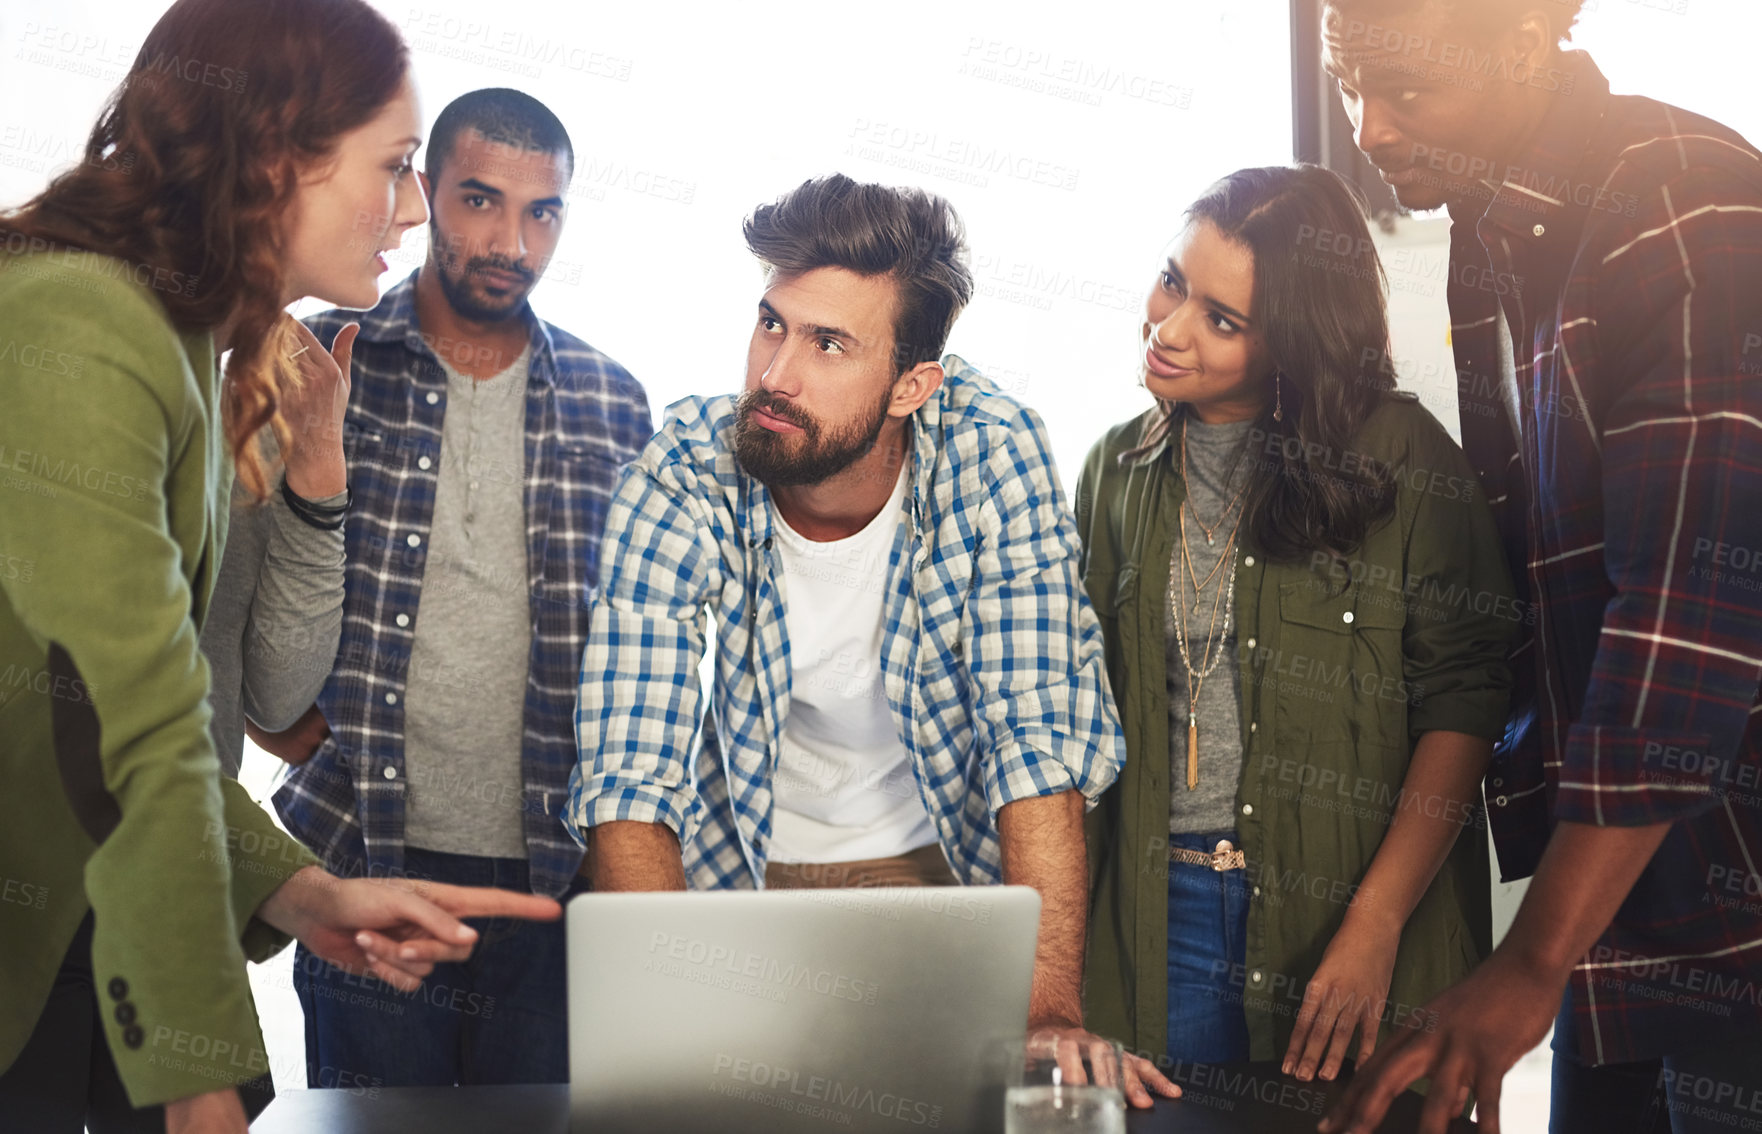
275, 618
1214, 455
464, 703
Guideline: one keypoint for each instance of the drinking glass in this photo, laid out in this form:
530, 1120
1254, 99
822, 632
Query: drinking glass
1058, 1085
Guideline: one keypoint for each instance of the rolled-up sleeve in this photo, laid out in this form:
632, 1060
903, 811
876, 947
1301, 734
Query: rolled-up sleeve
1046, 718
1462, 617
641, 699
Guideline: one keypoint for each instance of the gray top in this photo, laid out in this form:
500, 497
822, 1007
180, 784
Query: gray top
275, 619
1214, 453
465, 700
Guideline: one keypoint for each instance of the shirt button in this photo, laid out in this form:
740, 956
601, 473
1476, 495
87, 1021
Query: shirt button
433, 398
1248, 809
391, 698
1253, 726
1251, 643
1347, 617
1248, 561
118, 988
424, 463
1257, 891
125, 1013
413, 540
391, 773
133, 1037
1254, 976
1540, 230
403, 620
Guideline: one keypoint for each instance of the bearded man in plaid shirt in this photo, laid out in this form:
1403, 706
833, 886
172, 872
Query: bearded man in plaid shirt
1606, 308
908, 680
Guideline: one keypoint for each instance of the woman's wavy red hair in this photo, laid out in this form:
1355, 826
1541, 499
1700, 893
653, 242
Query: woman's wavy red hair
194, 161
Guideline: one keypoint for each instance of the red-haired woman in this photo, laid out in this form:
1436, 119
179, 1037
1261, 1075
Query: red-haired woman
257, 152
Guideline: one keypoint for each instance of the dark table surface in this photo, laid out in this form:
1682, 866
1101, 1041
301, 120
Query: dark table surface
1239, 1098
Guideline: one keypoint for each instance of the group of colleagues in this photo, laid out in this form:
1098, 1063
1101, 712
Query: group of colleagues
1242, 716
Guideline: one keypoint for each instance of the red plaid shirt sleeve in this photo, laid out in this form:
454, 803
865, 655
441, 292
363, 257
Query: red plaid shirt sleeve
1679, 657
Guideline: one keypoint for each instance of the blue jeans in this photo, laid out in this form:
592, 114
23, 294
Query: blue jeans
1714, 1091
499, 1016
1208, 928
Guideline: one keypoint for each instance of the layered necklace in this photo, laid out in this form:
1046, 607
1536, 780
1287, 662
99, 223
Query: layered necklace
1222, 601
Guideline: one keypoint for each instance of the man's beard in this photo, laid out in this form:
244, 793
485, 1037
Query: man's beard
812, 457
468, 304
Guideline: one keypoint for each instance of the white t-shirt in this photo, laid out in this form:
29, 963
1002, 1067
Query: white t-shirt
844, 787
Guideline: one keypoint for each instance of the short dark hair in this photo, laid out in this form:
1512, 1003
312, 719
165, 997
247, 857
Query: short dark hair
1479, 15
874, 230
500, 114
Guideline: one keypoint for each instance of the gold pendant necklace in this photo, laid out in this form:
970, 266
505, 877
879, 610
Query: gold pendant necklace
1211, 532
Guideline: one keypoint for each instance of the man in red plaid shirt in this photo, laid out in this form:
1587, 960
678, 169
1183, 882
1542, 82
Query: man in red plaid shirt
1606, 307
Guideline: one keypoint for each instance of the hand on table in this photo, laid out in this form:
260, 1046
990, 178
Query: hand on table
1484, 1025
1072, 1043
397, 929
217, 1112
1347, 994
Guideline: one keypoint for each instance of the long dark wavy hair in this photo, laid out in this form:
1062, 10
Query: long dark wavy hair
1318, 297
194, 161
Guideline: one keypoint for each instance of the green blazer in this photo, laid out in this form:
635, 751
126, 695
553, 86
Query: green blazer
1339, 675
114, 484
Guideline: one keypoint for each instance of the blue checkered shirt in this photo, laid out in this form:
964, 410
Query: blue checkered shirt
990, 655
586, 417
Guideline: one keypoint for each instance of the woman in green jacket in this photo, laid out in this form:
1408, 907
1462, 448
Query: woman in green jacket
257, 151
1307, 622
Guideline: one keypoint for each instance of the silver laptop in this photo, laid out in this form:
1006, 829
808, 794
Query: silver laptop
796, 1010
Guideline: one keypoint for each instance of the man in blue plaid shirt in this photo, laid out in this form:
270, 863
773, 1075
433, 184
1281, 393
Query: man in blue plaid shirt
483, 445
908, 681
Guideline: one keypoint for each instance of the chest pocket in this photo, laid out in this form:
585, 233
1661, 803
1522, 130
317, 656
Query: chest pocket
585, 480
1337, 674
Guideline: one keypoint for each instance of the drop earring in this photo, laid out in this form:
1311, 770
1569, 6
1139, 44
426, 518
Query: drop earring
1279, 395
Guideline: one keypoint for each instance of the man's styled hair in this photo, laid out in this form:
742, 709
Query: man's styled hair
1483, 16
500, 114
874, 230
